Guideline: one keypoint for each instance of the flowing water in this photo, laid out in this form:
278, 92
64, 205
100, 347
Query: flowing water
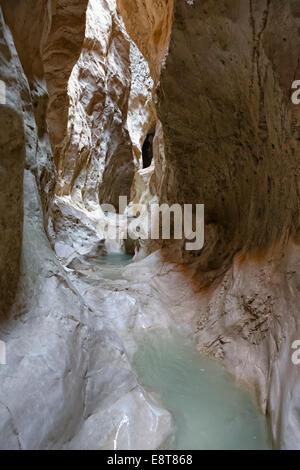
208, 409
113, 260
110, 267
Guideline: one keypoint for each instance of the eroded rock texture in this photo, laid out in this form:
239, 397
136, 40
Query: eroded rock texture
67, 375
12, 159
81, 79
149, 25
30, 33
231, 136
96, 148
229, 123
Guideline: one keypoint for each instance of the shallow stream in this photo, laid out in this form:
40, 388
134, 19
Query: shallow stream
209, 410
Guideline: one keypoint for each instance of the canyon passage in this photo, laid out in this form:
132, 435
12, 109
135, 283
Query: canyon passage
119, 342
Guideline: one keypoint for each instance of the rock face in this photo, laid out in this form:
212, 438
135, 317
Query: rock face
12, 160
81, 97
60, 53
96, 149
67, 375
227, 86
231, 134
68, 383
149, 25
29, 35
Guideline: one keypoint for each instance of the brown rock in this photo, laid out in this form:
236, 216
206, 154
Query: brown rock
12, 159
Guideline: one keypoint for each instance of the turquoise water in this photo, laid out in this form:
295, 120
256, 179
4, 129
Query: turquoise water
110, 267
113, 259
209, 410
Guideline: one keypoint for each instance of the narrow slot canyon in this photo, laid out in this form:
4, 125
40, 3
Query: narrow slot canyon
149, 272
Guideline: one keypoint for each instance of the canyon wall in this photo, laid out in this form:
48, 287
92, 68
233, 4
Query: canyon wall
232, 143
230, 126
149, 25
81, 79
96, 153
68, 383
30, 33
12, 150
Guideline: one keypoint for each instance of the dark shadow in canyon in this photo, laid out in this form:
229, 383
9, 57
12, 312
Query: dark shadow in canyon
12, 159
147, 150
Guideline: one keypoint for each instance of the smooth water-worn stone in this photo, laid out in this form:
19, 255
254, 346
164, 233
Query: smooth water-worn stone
68, 383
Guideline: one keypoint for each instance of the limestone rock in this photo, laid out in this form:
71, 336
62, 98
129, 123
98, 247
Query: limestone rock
149, 25
231, 135
68, 383
83, 90
67, 375
12, 160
